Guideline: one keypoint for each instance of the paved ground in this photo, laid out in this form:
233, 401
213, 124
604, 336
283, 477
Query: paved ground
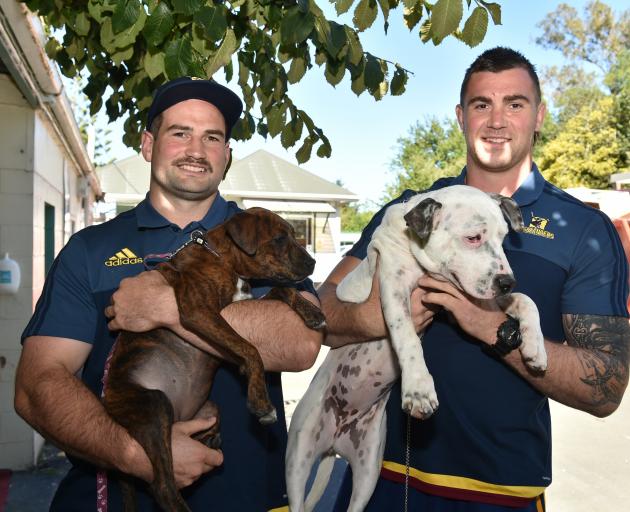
591, 458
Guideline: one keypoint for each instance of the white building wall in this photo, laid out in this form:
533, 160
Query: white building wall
16, 238
34, 170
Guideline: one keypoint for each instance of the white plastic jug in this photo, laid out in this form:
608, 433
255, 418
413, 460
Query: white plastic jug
9, 275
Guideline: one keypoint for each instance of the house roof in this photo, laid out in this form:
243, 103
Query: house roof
260, 175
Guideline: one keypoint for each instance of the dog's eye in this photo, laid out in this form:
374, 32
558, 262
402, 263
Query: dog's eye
474, 240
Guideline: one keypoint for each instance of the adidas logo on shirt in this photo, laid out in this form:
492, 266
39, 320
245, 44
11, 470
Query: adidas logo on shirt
123, 257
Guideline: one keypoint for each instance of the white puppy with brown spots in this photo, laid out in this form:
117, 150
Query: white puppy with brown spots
456, 234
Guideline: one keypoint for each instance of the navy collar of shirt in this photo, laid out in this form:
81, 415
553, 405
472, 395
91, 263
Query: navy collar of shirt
529, 191
148, 217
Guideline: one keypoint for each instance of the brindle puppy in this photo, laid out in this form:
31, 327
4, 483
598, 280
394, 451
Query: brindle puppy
156, 378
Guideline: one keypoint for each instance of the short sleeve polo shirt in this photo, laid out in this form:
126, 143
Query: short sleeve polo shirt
78, 289
490, 439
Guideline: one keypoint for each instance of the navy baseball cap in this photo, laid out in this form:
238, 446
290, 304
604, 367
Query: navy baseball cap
187, 88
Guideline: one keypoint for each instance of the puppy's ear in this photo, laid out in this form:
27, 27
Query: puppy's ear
511, 211
242, 228
421, 217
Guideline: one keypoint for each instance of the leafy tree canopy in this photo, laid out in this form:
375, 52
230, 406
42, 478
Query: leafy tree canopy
586, 151
133, 46
591, 110
431, 150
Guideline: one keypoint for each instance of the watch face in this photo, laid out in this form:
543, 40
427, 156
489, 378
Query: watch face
508, 336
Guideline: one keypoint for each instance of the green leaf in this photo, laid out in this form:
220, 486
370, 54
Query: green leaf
291, 133
213, 20
475, 27
425, 30
399, 80
412, 15
342, 6
52, 48
154, 64
296, 26
325, 150
82, 24
187, 7
304, 153
355, 50
125, 15
159, 24
297, 70
358, 84
275, 120
178, 58
122, 55
334, 72
365, 14
373, 73
445, 18
495, 11
331, 34
262, 130
224, 53
95, 9
384, 8
111, 41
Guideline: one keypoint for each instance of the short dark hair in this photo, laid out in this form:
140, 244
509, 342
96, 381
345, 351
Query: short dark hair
499, 59
155, 124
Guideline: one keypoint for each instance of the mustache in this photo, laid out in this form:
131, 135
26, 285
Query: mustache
191, 160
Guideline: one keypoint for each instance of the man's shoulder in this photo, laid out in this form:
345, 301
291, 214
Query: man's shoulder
576, 212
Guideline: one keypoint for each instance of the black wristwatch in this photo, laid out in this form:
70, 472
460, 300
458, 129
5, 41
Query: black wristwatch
508, 338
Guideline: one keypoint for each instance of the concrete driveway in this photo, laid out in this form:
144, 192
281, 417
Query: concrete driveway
591, 456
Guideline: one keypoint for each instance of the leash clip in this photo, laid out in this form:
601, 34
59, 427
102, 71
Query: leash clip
197, 237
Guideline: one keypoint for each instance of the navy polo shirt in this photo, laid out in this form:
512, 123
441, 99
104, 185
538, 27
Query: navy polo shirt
78, 289
490, 439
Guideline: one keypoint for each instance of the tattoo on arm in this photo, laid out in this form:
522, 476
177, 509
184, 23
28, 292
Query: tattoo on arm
605, 354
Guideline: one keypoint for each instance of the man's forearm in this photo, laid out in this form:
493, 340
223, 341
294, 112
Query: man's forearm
347, 322
281, 337
63, 410
589, 373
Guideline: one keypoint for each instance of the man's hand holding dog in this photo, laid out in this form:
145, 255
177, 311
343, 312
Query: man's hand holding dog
191, 458
142, 303
480, 319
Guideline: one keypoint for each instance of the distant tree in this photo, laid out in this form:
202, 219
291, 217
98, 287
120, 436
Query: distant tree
431, 150
599, 38
618, 81
586, 151
88, 122
591, 119
133, 46
354, 216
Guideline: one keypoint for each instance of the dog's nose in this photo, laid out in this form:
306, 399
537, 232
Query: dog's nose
503, 284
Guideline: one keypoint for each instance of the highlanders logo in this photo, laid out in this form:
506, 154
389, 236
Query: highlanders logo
537, 227
123, 257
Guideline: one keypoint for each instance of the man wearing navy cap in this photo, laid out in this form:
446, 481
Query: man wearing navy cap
187, 142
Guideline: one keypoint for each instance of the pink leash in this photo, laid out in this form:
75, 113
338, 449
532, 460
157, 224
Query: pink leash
101, 474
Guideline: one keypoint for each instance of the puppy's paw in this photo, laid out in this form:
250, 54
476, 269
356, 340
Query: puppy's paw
269, 418
533, 349
314, 319
420, 405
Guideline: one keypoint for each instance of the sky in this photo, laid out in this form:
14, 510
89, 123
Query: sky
364, 132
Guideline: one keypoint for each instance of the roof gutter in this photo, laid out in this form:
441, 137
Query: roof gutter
22, 43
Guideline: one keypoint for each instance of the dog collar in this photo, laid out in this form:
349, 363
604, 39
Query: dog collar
196, 237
